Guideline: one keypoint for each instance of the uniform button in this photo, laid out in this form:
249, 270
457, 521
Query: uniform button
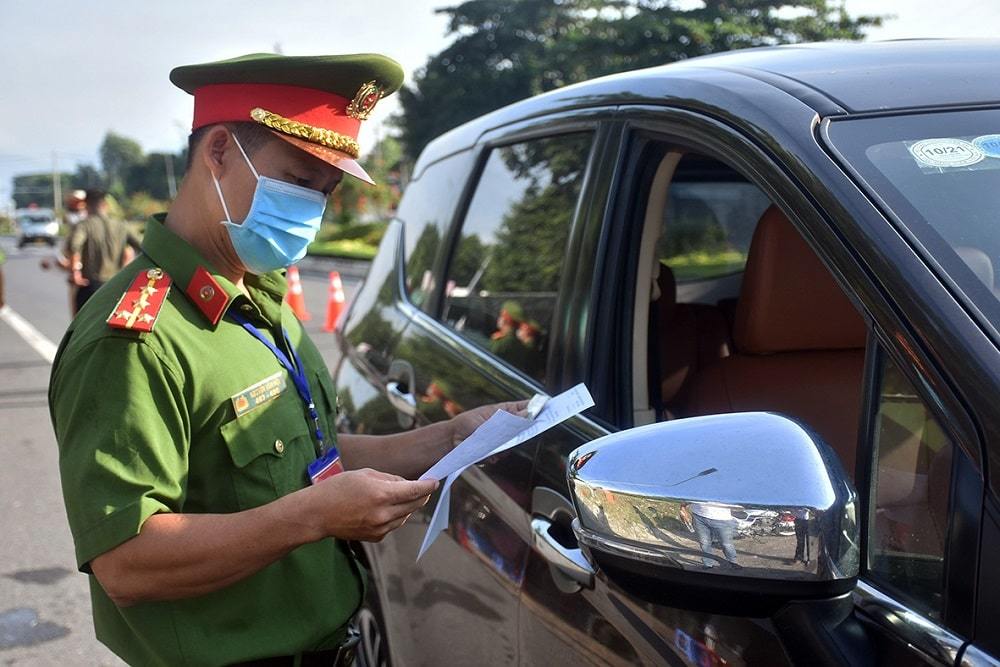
246, 308
279, 446
206, 293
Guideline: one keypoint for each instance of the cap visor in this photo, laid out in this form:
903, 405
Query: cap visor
340, 160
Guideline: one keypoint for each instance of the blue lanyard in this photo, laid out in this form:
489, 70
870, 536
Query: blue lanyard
296, 371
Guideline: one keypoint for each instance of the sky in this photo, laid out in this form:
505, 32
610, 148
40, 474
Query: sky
73, 70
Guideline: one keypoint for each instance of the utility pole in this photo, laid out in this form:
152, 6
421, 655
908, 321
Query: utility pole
168, 159
56, 185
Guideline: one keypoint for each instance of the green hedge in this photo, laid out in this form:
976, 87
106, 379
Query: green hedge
704, 265
358, 241
347, 249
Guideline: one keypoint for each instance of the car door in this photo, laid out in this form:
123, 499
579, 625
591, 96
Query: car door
914, 469
485, 326
565, 619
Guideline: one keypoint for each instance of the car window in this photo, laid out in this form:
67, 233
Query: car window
708, 221
503, 278
911, 484
426, 210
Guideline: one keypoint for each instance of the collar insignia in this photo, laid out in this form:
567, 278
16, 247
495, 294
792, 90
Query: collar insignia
207, 295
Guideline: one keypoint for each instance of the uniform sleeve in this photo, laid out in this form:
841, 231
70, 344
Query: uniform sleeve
121, 424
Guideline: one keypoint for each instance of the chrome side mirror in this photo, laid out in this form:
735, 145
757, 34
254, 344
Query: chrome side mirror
723, 499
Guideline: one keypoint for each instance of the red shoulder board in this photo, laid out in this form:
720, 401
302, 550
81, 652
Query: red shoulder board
140, 305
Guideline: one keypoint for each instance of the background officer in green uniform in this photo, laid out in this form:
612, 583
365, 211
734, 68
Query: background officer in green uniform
3, 298
188, 402
97, 248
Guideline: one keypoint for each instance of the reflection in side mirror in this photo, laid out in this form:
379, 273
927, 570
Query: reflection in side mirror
747, 496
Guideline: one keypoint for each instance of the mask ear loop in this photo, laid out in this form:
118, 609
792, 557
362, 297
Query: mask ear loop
215, 180
222, 199
249, 163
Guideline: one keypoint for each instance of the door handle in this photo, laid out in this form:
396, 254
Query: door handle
402, 401
570, 562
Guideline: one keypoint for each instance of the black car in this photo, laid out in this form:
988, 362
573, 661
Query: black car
804, 231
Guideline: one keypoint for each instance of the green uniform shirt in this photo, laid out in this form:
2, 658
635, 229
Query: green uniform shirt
147, 423
100, 243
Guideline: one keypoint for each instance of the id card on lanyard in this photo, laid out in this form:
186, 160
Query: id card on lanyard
328, 464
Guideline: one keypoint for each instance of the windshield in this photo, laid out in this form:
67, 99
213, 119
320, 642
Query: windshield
939, 173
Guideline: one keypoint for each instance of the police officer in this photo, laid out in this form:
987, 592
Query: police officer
189, 404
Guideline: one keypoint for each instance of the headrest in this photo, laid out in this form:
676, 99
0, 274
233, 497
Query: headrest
789, 300
666, 284
978, 262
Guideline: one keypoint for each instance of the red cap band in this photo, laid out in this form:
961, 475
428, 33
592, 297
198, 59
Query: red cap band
232, 102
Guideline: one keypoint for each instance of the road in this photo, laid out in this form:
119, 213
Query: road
44, 601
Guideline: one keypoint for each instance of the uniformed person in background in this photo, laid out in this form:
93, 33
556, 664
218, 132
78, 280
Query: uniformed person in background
97, 248
3, 298
189, 404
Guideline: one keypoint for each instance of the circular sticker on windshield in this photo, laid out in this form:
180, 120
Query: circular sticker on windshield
946, 153
988, 144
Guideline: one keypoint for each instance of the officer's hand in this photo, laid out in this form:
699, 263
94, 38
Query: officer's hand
367, 504
464, 424
78, 279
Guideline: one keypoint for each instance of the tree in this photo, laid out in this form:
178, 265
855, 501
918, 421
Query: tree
149, 176
507, 50
87, 176
118, 156
37, 189
551, 174
354, 200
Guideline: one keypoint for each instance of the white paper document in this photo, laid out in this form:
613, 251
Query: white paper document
499, 428
498, 433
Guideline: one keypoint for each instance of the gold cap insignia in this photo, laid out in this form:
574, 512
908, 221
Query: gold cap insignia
365, 100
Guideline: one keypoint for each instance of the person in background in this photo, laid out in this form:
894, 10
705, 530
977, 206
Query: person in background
3, 258
714, 521
75, 212
98, 247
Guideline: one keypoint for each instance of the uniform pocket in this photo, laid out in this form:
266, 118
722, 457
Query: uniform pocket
270, 448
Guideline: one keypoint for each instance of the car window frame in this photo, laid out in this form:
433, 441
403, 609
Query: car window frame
594, 120
962, 554
702, 133
645, 126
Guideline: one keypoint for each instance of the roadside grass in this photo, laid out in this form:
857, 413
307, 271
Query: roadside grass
357, 241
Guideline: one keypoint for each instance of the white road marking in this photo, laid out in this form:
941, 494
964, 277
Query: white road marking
30, 334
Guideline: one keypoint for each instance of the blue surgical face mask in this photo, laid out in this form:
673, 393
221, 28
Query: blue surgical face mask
283, 220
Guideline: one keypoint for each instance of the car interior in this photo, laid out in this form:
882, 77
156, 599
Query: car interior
744, 316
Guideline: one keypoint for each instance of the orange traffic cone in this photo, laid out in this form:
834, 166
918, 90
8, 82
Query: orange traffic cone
294, 295
334, 302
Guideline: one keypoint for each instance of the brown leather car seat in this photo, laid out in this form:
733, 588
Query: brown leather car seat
687, 336
799, 343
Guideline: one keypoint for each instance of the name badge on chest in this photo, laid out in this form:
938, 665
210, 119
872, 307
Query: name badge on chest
260, 393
